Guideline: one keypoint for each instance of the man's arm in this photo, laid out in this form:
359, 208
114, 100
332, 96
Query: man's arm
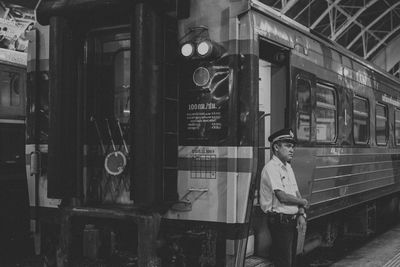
289, 199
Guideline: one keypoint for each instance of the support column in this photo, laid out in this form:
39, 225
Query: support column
146, 106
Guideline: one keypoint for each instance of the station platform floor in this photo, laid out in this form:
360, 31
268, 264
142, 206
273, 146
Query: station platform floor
382, 251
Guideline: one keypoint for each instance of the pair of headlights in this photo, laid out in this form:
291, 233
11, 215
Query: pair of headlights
202, 49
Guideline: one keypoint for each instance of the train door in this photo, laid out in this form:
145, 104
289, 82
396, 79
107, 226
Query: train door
273, 72
273, 82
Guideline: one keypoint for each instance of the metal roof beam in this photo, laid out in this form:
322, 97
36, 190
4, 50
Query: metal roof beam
371, 24
372, 50
351, 19
320, 18
287, 5
305, 8
356, 22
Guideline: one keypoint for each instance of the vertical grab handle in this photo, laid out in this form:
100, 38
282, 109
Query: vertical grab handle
35, 163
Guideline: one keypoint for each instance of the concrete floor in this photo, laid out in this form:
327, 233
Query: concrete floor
383, 251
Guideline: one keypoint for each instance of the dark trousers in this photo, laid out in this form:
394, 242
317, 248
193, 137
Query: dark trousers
284, 241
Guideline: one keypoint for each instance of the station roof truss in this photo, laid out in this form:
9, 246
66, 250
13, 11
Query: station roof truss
361, 26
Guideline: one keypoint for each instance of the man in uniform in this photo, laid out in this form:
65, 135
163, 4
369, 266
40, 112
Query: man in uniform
280, 199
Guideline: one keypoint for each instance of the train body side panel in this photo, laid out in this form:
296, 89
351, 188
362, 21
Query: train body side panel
345, 177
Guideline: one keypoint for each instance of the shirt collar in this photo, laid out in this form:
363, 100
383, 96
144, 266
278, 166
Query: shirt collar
278, 161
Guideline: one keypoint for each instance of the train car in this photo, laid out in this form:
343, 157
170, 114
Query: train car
14, 224
247, 72
156, 116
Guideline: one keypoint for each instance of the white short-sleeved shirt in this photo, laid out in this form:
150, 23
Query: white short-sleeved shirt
277, 176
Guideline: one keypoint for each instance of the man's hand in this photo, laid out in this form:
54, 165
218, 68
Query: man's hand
301, 224
305, 204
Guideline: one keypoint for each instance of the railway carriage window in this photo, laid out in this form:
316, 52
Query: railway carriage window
397, 126
381, 124
109, 79
325, 113
9, 89
122, 84
303, 110
360, 120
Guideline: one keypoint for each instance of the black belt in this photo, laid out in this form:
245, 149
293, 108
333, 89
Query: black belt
281, 217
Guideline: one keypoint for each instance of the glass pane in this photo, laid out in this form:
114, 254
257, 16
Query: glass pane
122, 81
325, 114
108, 124
381, 124
397, 127
9, 89
360, 121
304, 110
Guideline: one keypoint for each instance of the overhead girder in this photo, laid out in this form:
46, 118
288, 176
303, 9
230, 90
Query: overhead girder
371, 24
388, 56
351, 19
338, 27
322, 16
287, 5
382, 41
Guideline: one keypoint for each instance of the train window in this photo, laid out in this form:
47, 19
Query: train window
122, 61
108, 85
397, 126
9, 89
303, 110
360, 120
381, 129
325, 113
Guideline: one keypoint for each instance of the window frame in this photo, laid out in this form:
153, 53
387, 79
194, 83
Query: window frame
306, 80
327, 106
15, 111
395, 119
368, 121
377, 104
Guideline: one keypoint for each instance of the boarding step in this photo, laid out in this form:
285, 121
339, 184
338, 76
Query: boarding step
254, 261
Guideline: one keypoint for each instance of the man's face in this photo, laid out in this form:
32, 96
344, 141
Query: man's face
284, 151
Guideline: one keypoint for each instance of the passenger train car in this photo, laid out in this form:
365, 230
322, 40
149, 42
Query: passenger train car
157, 122
14, 208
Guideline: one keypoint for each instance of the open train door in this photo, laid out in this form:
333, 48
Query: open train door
272, 108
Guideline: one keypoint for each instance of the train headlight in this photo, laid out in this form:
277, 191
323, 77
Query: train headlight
204, 48
187, 50
201, 76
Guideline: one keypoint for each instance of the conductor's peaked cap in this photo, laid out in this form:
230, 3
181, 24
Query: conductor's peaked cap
285, 135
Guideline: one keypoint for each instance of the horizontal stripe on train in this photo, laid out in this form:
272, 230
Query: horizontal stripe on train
220, 152
206, 163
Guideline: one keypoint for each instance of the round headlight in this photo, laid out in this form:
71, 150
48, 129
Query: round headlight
187, 50
204, 48
201, 76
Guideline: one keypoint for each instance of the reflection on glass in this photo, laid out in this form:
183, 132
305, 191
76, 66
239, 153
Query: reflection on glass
360, 123
381, 124
325, 113
122, 85
109, 120
397, 126
9, 89
304, 110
